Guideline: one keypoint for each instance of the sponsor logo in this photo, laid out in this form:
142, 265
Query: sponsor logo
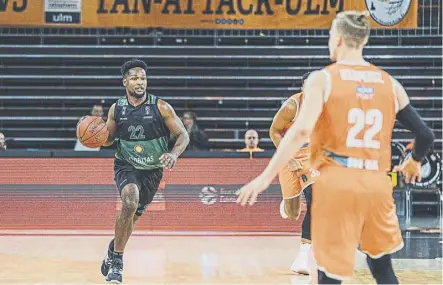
209, 195
365, 93
138, 148
142, 160
63, 11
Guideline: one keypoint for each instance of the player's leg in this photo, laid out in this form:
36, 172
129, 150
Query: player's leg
325, 279
290, 206
301, 264
337, 219
123, 230
381, 269
134, 221
124, 222
381, 235
106, 262
306, 225
128, 184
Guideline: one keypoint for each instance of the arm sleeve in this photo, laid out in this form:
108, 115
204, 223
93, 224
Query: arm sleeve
424, 137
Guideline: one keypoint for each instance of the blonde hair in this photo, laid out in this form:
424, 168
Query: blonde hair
354, 26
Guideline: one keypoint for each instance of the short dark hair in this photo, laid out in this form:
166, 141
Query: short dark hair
191, 114
133, 63
304, 77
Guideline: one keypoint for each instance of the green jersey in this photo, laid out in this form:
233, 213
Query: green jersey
142, 133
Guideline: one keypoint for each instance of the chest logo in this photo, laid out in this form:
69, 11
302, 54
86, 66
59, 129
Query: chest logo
138, 148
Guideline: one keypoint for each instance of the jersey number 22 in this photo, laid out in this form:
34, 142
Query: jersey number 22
360, 118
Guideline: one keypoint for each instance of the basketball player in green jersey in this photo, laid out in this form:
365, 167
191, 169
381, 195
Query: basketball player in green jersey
142, 123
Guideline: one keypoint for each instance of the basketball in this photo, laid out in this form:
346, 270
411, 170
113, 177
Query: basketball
92, 131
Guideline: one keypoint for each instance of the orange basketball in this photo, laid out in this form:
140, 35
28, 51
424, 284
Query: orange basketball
92, 131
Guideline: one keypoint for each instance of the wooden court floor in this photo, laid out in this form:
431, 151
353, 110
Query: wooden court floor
175, 260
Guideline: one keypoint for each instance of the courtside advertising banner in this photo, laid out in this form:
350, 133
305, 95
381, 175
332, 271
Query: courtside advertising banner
199, 194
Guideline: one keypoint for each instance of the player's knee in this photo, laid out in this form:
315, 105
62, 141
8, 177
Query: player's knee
130, 196
293, 208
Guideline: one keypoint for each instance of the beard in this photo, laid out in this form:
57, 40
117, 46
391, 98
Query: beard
137, 95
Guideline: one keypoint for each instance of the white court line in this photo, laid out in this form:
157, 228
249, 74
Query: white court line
143, 233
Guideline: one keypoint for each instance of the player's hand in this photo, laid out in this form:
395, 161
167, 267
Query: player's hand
410, 169
81, 119
168, 160
250, 191
295, 164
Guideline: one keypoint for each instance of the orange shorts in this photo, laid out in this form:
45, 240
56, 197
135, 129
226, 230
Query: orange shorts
294, 182
352, 207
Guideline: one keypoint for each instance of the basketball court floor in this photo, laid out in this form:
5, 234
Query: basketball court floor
74, 257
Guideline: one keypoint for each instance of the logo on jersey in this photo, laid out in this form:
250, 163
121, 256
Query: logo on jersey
147, 110
142, 160
138, 148
388, 12
123, 102
314, 173
124, 111
365, 93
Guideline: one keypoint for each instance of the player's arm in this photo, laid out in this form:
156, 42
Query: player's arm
112, 126
293, 140
176, 128
424, 137
411, 120
283, 117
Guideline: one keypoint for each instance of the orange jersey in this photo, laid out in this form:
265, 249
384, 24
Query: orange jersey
355, 126
298, 100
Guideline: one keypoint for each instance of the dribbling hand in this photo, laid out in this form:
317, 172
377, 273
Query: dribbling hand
250, 191
410, 169
168, 160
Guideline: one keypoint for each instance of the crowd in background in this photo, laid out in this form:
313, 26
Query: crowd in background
198, 138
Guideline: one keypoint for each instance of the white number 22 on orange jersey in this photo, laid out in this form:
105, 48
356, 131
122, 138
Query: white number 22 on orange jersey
360, 118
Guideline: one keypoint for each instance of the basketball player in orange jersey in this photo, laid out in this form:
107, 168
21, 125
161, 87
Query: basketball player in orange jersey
295, 178
349, 113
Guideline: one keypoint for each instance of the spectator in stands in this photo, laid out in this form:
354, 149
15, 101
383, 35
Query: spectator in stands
97, 110
251, 142
3, 145
197, 137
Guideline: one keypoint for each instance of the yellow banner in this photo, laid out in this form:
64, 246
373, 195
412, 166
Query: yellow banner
205, 14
